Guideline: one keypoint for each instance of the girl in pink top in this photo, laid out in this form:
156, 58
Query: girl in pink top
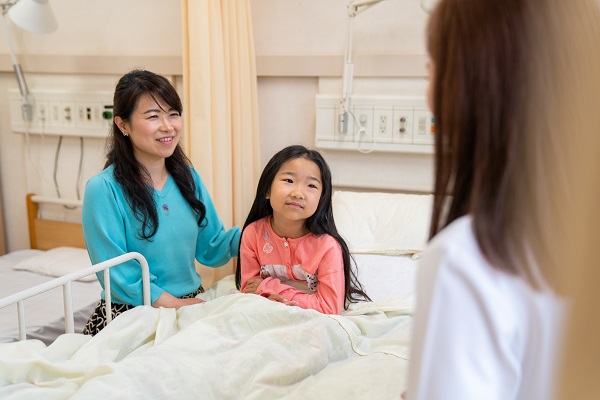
291, 251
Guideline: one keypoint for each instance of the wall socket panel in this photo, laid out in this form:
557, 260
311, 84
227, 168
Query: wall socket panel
64, 113
400, 124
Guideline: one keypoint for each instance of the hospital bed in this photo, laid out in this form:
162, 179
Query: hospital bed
244, 346
56, 248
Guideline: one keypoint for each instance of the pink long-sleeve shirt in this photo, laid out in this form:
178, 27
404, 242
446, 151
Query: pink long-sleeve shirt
308, 269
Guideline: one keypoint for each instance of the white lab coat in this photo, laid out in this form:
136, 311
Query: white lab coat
479, 333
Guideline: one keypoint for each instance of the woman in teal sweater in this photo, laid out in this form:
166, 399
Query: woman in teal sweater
149, 199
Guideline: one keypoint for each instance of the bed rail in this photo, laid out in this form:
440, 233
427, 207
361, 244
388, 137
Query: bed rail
65, 282
56, 200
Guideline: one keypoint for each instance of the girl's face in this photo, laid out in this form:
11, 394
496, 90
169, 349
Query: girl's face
295, 192
154, 129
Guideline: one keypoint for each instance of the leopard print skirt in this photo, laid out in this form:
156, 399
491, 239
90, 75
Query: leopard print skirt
97, 320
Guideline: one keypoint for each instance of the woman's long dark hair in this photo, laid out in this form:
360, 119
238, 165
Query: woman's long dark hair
321, 222
129, 173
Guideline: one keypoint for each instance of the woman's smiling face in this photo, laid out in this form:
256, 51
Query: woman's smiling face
154, 129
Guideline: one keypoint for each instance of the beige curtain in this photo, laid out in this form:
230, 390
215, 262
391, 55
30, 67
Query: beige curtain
220, 107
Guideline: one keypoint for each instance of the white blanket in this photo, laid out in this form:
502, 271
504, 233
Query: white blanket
233, 346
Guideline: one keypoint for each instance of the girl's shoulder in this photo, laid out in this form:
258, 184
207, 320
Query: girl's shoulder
323, 239
259, 225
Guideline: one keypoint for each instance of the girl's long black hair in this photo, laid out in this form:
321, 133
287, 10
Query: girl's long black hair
129, 173
321, 222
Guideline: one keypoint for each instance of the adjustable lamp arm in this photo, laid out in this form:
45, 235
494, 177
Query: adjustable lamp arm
358, 6
26, 108
34, 16
354, 8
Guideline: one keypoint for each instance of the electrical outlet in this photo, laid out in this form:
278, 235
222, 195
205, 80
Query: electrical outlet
88, 115
64, 112
383, 124
377, 123
82, 115
383, 132
69, 117
41, 113
55, 113
403, 130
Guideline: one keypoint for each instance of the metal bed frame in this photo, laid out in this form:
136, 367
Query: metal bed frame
65, 282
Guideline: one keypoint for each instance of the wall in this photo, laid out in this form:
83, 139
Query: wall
299, 47
94, 44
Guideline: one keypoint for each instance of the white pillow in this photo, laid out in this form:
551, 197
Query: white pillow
58, 262
383, 223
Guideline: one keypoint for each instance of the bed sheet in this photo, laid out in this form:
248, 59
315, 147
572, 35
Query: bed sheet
44, 314
233, 346
383, 277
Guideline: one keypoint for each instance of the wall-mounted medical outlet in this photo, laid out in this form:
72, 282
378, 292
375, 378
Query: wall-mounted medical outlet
377, 123
62, 112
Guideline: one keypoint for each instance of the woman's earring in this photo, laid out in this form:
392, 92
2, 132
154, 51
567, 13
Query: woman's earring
124, 134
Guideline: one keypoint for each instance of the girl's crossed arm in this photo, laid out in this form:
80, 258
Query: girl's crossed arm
329, 296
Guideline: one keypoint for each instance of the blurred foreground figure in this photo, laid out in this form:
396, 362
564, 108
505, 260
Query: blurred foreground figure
511, 86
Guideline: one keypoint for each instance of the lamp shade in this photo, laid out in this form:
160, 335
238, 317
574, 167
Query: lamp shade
428, 5
33, 15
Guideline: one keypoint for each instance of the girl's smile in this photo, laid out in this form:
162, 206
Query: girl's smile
294, 204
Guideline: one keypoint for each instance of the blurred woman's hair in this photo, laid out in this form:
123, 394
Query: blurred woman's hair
503, 73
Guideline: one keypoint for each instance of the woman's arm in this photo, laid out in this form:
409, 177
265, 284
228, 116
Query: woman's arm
103, 221
215, 245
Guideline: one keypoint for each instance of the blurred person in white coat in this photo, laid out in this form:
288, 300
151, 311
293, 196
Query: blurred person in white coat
491, 302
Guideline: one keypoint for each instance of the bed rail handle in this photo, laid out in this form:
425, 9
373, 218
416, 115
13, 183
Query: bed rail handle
56, 200
68, 308
65, 282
